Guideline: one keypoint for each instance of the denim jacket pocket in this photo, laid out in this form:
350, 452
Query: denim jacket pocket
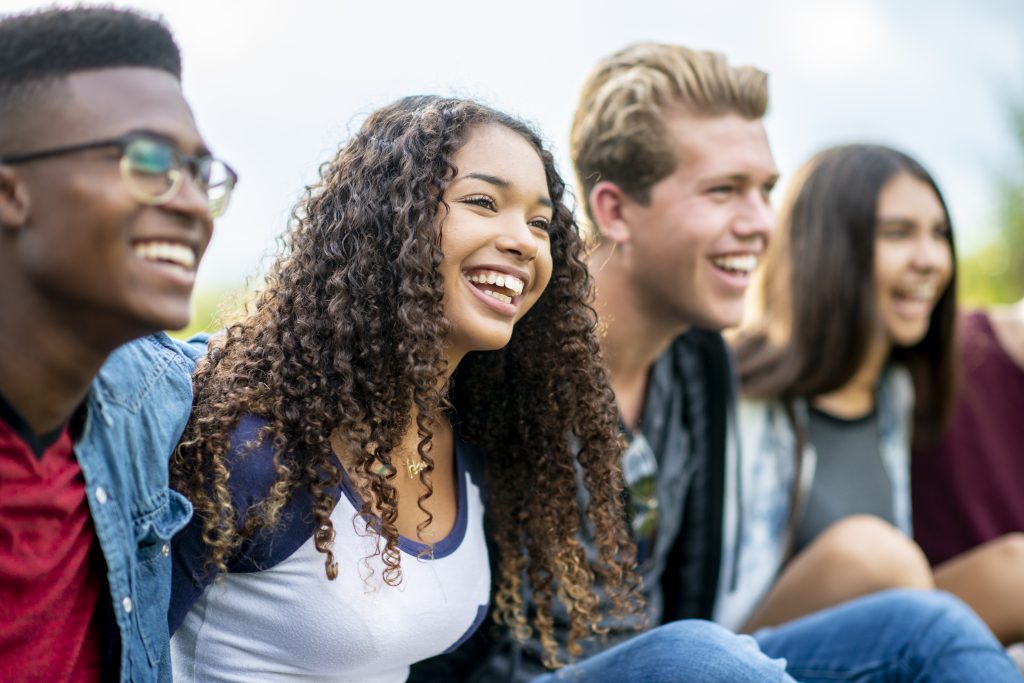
153, 533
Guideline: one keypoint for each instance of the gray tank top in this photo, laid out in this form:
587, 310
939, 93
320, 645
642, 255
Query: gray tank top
850, 477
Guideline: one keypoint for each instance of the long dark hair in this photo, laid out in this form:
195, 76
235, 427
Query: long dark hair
817, 296
349, 334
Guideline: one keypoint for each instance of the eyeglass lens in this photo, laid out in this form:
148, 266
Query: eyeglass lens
149, 168
154, 171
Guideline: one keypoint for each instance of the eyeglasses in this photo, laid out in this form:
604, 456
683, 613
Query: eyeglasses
640, 471
154, 169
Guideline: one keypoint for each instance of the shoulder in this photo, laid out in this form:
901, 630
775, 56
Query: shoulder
898, 387
703, 362
992, 336
150, 365
757, 415
251, 461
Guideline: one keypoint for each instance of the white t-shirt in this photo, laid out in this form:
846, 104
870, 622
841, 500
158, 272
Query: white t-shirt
289, 622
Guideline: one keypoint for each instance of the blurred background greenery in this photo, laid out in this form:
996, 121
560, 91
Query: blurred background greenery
995, 272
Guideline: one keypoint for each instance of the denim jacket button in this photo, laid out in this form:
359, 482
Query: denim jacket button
166, 550
127, 605
101, 495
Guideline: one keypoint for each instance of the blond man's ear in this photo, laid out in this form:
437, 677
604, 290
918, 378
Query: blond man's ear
607, 201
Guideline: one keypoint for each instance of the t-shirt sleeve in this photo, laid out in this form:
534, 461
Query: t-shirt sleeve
251, 462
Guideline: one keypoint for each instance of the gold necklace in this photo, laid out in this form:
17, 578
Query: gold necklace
414, 468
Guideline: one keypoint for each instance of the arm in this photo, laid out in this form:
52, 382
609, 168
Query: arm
252, 474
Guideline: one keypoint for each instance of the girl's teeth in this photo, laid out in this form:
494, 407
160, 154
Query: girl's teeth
505, 281
744, 264
500, 297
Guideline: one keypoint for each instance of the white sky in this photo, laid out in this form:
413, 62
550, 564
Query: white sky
276, 86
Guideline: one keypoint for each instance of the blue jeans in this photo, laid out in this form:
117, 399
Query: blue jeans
690, 651
898, 635
911, 636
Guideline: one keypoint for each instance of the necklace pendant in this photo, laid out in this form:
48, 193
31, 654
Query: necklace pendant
414, 468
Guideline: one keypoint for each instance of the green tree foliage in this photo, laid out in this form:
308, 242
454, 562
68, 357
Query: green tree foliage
995, 273
214, 307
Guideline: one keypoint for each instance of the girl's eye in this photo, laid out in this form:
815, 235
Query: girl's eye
541, 224
482, 201
894, 232
721, 190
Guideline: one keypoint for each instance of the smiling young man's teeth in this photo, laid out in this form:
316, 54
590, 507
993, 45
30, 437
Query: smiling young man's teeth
502, 280
740, 264
168, 252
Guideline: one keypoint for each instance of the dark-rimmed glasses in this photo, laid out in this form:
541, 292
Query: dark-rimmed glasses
153, 168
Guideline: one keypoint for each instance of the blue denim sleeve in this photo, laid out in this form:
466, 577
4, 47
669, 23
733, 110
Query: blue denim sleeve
137, 407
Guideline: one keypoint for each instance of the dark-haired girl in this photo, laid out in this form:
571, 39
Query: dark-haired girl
849, 362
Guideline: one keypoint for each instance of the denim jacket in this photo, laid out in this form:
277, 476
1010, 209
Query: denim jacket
137, 409
769, 438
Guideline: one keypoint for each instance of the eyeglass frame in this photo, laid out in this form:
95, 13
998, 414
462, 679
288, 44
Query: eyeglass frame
185, 161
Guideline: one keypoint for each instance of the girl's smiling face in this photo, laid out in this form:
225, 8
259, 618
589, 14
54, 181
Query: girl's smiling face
495, 239
913, 258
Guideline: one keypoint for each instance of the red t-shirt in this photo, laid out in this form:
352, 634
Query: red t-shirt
968, 489
51, 569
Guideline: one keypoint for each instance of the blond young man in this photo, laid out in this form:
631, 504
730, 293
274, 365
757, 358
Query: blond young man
675, 165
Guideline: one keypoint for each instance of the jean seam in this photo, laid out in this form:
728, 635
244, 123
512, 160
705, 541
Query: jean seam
845, 675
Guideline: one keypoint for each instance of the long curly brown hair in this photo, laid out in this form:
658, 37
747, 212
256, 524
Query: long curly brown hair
348, 337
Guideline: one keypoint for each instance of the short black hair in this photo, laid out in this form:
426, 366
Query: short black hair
53, 43
38, 48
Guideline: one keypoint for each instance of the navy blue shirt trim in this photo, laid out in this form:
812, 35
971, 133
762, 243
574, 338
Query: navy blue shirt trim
450, 543
251, 461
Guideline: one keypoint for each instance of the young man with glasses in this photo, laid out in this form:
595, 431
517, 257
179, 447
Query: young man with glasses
673, 159
107, 200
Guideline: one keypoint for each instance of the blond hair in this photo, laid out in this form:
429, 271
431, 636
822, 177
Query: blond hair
619, 133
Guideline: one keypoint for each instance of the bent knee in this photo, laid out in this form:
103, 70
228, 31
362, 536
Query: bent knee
696, 633
877, 551
930, 605
693, 649
930, 619
1009, 549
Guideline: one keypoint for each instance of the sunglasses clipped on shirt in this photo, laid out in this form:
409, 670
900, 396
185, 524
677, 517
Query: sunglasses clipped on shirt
640, 471
153, 168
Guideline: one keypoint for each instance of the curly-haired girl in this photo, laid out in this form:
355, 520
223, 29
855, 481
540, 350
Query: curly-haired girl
424, 346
